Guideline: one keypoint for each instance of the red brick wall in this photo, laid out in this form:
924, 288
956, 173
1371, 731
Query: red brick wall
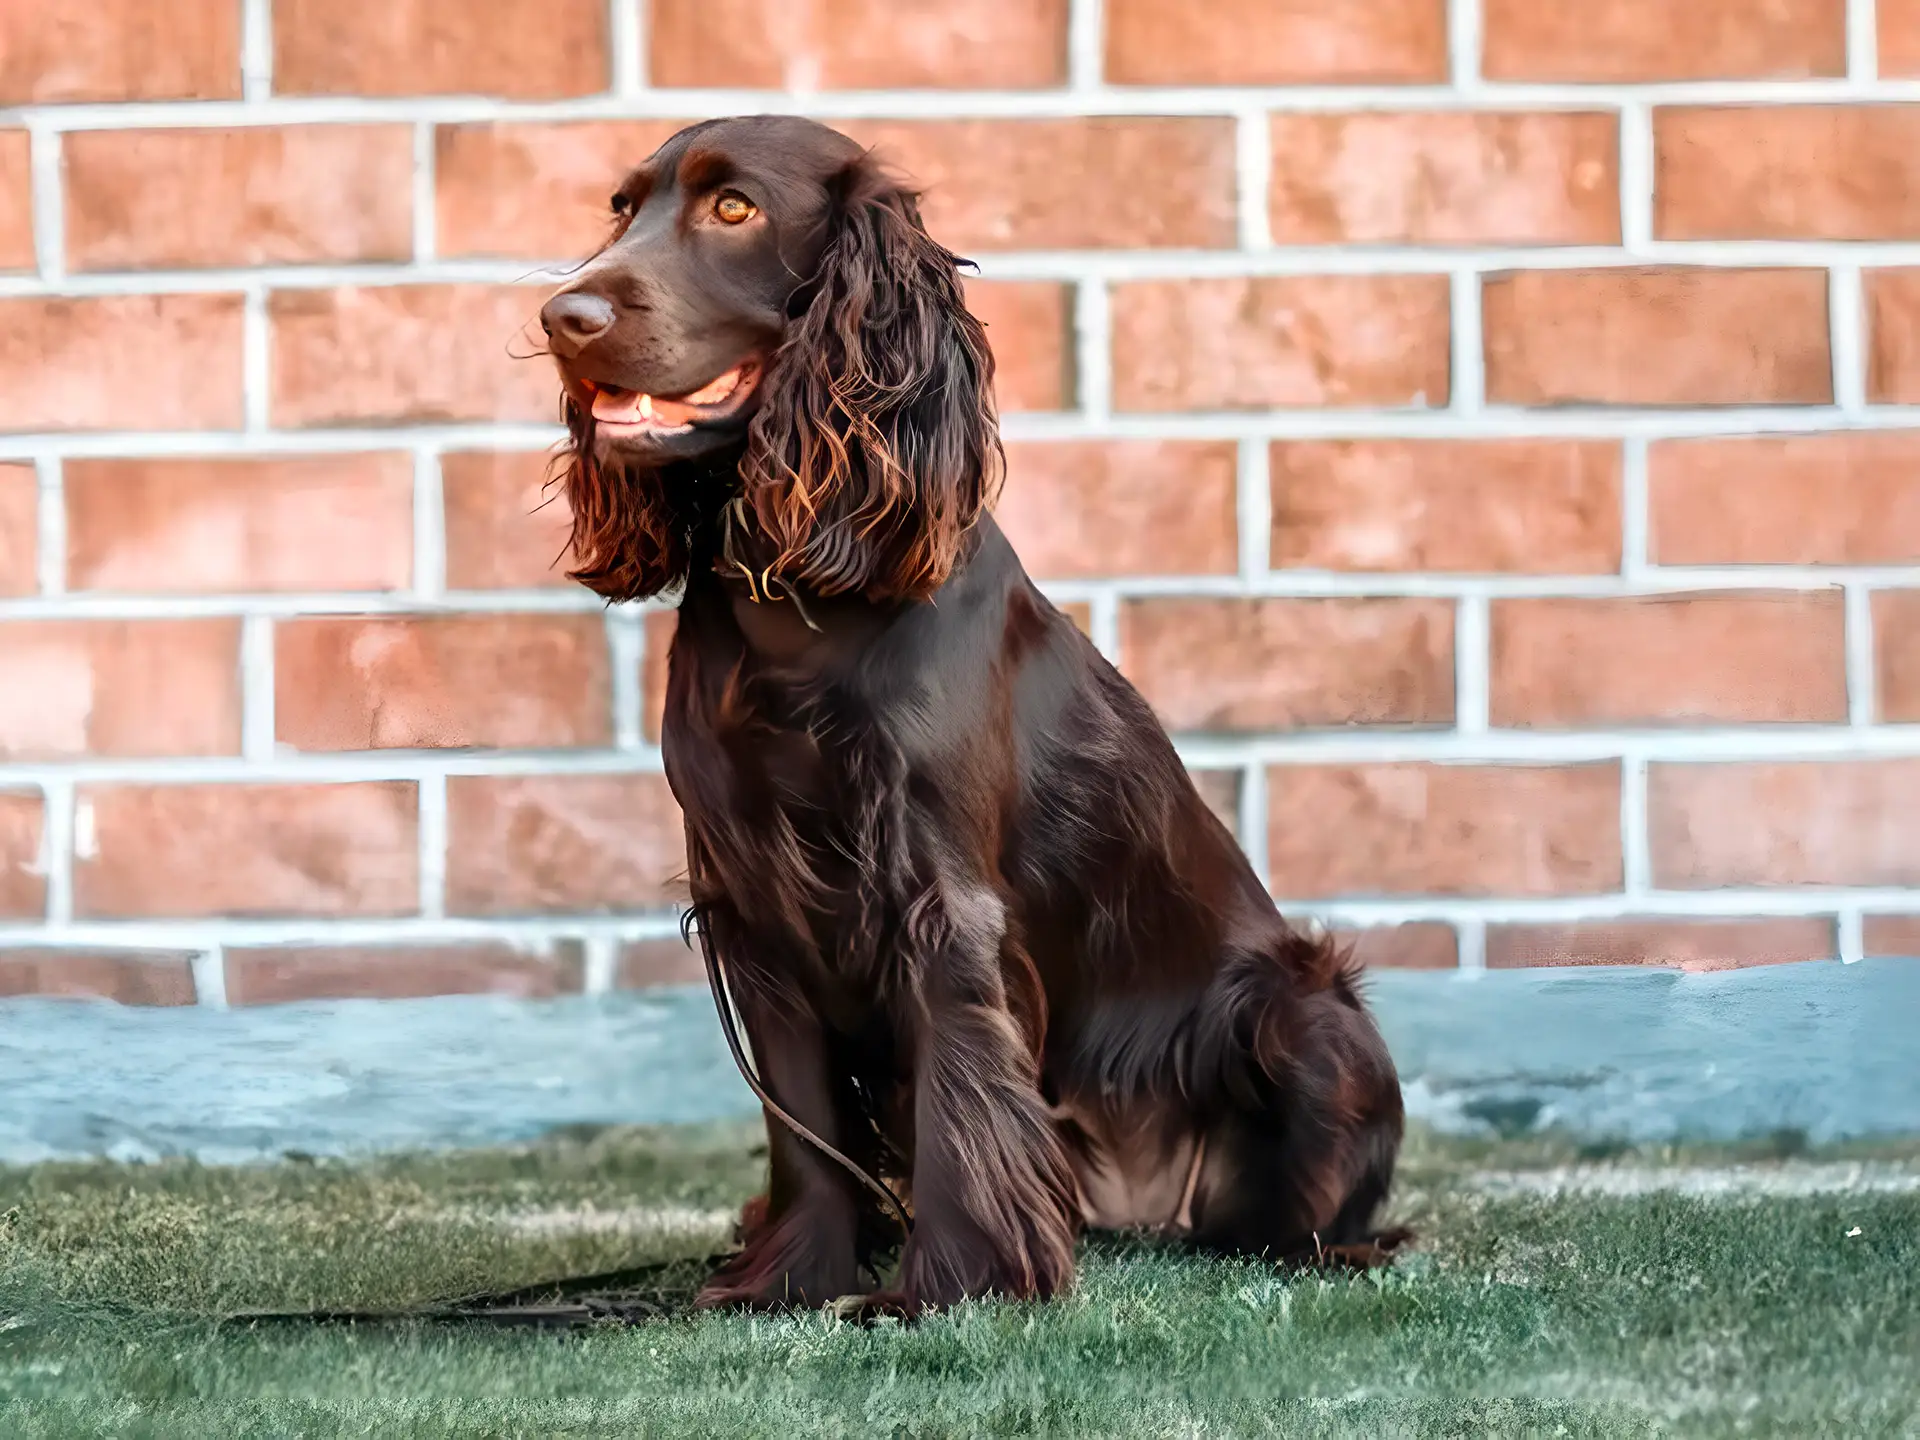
1468, 423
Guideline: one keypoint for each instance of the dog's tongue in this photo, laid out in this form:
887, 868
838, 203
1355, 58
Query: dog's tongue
632, 407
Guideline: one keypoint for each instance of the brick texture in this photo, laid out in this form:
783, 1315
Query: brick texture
532, 844
656, 645
1445, 178
512, 681
1084, 508
1407, 829
1896, 640
1893, 336
224, 525
119, 687
506, 527
1650, 40
86, 364
261, 850
1276, 42
1899, 36
1488, 506
1337, 340
1892, 935
1270, 664
1675, 944
1422, 945
1841, 499
131, 977
262, 195
119, 50
647, 963
1669, 660
16, 201
1851, 822
23, 871
522, 49
1028, 325
858, 44
268, 975
19, 529
1658, 337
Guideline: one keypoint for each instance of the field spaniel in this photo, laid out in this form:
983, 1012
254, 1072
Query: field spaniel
992, 953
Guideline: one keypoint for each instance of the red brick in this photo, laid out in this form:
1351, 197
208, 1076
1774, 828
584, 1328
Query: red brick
1274, 664
1651, 40
261, 850
1673, 944
1657, 336
271, 975
1028, 324
1892, 936
381, 683
19, 529
656, 645
1078, 183
120, 362
119, 687
1445, 178
1276, 42
1893, 336
1753, 657
1787, 172
1896, 643
542, 843
16, 200
1533, 507
1409, 829
1899, 37
23, 871
1848, 822
1839, 499
858, 44
647, 963
1090, 507
410, 352
240, 525
522, 49
256, 195
507, 528
1417, 945
1247, 344
535, 189
119, 50
132, 977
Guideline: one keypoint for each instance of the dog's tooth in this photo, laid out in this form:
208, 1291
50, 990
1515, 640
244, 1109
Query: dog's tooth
646, 406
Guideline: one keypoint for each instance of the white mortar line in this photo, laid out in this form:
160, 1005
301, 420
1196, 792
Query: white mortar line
56, 850
1472, 665
1846, 320
257, 361
49, 204
1463, 45
1637, 183
1086, 47
626, 34
258, 741
1253, 509
1467, 356
536, 934
433, 846
1850, 934
626, 638
1093, 351
1636, 542
1862, 686
1252, 819
1863, 45
256, 49
210, 977
1470, 941
1103, 623
426, 209
600, 956
429, 529
50, 524
1253, 174
1636, 842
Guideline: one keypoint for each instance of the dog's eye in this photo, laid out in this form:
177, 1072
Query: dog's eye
732, 209
619, 204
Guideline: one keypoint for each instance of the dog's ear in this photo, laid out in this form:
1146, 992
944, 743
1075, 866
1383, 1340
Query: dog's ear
628, 543
876, 445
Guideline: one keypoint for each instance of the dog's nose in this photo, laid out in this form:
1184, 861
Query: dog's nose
573, 320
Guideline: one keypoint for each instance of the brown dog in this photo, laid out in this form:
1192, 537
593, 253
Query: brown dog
985, 937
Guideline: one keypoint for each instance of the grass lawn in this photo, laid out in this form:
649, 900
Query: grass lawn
1552, 1293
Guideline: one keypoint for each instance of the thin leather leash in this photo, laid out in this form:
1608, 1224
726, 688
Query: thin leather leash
723, 1002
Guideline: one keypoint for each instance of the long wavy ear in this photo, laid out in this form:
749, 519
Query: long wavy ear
628, 541
876, 445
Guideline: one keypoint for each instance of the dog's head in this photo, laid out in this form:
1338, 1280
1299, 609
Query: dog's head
770, 324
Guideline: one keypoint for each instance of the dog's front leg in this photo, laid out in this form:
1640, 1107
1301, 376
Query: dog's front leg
994, 1207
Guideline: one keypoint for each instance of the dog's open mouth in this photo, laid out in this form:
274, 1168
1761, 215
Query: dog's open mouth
620, 411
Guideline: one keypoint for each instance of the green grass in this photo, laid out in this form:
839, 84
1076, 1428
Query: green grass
1568, 1314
